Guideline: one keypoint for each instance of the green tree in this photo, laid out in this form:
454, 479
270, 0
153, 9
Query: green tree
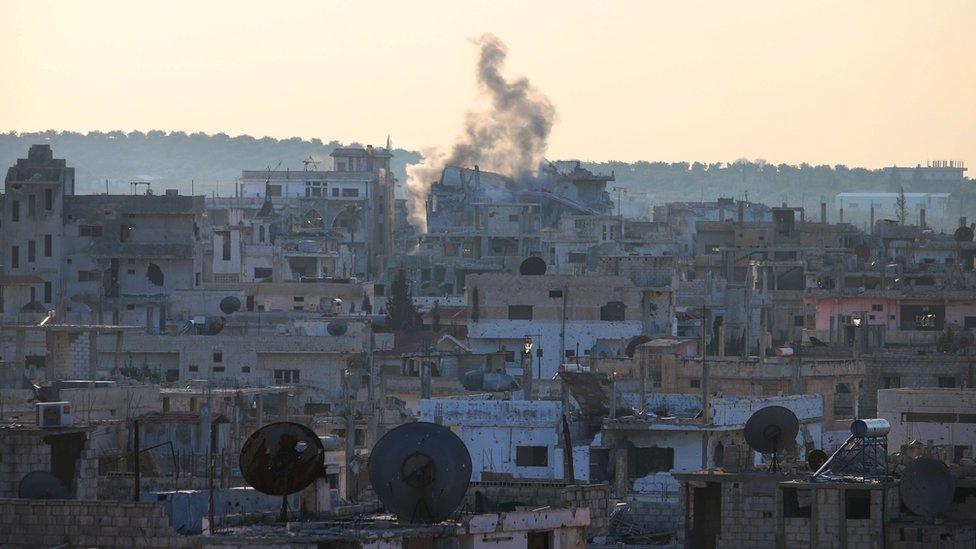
403, 313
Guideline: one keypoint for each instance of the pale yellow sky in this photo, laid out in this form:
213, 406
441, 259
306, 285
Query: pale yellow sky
858, 83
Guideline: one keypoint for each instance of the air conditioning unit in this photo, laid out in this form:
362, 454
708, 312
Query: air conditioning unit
54, 414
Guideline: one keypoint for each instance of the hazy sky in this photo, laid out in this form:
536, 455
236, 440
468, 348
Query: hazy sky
859, 83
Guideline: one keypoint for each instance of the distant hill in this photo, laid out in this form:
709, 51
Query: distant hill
172, 160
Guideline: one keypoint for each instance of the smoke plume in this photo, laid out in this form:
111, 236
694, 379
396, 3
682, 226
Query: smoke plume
508, 138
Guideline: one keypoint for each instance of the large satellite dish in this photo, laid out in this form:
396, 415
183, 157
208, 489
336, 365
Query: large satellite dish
337, 327
282, 458
927, 487
41, 485
230, 305
771, 430
532, 266
420, 471
963, 234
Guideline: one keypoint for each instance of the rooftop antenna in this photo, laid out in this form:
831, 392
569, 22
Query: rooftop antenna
771, 430
420, 471
310, 162
282, 458
267, 182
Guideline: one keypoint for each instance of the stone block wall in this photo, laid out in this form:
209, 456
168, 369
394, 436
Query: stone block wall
749, 513
22, 452
596, 497
914, 370
85, 523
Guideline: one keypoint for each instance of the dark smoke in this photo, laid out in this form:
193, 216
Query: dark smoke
509, 138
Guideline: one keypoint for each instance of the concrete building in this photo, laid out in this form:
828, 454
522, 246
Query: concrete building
512, 439
564, 316
641, 454
354, 200
944, 418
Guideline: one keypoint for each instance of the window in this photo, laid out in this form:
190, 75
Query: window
14, 257
47, 292
877, 307
15, 210
335, 191
89, 230
274, 190
31, 205
89, 276
286, 376
262, 272
48, 199
577, 258
613, 311
520, 312
31, 251
225, 245
892, 382
555, 293
125, 232
947, 382
192, 368
969, 323
131, 271
217, 369
261, 233
350, 193
858, 504
245, 369
653, 460
796, 503
130, 307
513, 218
299, 299
218, 356
798, 321
531, 456
509, 356
48, 244
694, 383
569, 353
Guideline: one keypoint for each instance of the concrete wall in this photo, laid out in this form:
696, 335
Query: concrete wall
49, 523
932, 416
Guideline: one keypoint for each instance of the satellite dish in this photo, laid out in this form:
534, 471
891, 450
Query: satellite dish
282, 458
816, 459
963, 234
230, 305
927, 487
532, 266
41, 485
634, 343
337, 327
420, 471
771, 430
